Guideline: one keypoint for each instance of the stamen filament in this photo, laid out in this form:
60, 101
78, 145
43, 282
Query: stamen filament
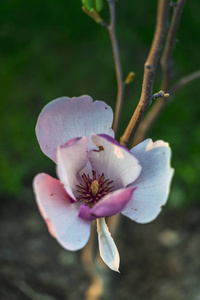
92, 190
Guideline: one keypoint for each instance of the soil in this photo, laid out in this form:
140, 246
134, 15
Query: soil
160, 260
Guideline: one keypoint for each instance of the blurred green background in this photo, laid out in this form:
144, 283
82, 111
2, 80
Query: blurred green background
50, 49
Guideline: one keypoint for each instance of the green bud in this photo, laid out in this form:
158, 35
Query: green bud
88, 4
130, 77
92, 14
98, 5
166, 95
93, 4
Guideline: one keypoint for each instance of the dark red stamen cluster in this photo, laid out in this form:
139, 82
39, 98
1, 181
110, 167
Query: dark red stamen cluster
92, 190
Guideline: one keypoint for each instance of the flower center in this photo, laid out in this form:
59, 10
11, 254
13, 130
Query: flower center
92, 190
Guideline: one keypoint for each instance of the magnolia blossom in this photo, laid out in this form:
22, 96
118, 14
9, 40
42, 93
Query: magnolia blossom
98, 177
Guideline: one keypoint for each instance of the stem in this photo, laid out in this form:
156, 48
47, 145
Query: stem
98, 285
114, 220
166, 64
183, 81
149, 72
95, 290
115, 48
166, 59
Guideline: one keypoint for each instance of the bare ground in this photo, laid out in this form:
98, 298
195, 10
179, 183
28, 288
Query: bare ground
160, 260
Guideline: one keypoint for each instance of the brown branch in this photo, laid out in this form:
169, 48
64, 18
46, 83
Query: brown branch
166, 59
115, 48
149, 72
166, 64
148, 121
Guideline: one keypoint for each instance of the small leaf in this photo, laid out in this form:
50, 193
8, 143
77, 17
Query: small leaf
98, 5
88, 4
107, 247
93, 4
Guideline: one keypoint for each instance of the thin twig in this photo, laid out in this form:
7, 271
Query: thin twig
111, 29
115, 48
157, 108
149, 72
114, 220
95, 290
166, 64
166, 59
98, 281
183, 81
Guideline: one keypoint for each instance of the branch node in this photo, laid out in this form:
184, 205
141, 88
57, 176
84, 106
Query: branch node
148, 67
160, 94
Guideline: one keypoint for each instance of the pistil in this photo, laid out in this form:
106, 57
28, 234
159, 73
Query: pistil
94, 187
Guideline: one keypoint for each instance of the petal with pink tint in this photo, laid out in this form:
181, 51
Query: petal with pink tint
60, 214
109, 205
115, 161
67, 118
71, 158
85, 212
153, 184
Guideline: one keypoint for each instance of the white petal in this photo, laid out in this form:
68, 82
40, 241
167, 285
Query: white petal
107, 247
115, 161
66, 118
153, 183
72, 158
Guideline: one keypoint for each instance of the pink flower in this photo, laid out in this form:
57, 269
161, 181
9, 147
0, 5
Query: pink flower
97, 176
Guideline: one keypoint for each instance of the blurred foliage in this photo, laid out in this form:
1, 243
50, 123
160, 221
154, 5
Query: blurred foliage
97, 5
51, 48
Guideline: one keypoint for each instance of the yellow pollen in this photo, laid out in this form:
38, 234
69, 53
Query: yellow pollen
94, 187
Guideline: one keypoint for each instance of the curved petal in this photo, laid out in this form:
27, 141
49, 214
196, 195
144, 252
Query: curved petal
153, 184
115, 161
107, 248
110, 205
60, 214
71, 158
66, 118
85, 213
